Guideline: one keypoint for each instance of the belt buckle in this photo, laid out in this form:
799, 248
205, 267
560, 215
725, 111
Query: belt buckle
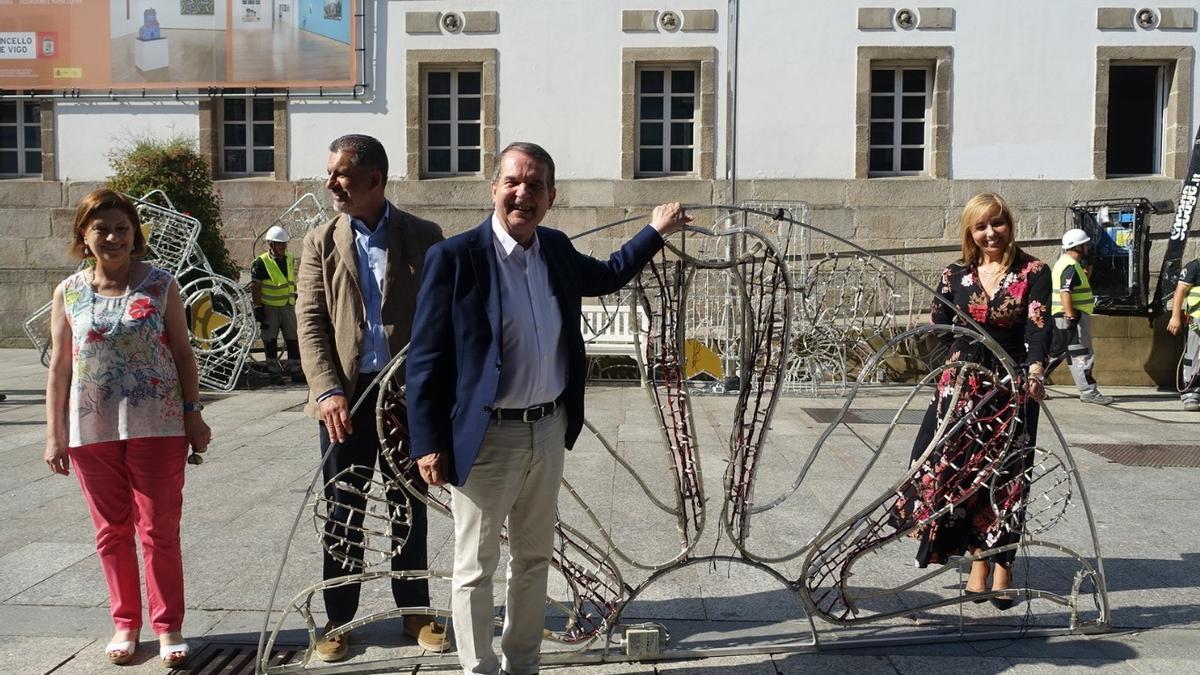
525, 414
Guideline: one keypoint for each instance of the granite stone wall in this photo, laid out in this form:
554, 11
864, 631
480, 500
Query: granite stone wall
877, 214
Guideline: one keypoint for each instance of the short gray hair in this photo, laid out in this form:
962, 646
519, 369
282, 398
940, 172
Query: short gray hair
533, 150
365, 151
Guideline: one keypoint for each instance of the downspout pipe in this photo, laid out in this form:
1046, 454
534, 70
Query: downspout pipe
732, 360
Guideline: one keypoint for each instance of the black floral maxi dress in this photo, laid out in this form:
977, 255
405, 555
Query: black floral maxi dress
1017, 318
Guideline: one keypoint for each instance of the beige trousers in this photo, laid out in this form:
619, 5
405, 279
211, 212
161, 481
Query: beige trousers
515, 476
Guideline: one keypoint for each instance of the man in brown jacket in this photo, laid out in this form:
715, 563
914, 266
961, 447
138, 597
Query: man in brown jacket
357, 288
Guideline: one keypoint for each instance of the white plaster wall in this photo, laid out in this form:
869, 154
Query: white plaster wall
795, 89
1024, 107
1022, 99
88, 132
559, 82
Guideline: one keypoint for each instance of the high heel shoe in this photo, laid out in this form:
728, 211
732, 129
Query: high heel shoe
974, 596
1002, 603
120, 653
173, 655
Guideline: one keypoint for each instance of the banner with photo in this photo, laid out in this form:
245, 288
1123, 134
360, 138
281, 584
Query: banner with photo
172, 44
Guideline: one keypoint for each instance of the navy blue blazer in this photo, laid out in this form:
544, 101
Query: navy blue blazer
455, 357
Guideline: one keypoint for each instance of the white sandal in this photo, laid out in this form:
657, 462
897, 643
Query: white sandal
113, 651
165, 652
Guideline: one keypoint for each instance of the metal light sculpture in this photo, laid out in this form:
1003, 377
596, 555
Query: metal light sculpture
220, 311
818, 551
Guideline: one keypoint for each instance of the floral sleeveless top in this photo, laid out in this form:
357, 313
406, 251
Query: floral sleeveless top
123, 379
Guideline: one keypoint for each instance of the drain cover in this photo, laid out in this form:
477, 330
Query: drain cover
864, 415
232, 658
1137, 454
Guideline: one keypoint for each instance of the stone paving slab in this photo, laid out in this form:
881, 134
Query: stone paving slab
240, 504
40, 655
1025, 666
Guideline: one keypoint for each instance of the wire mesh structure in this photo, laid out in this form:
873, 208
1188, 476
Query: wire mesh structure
170, 235
845, 303
303, 215
220, 313
37, 329
837, 555
222, 326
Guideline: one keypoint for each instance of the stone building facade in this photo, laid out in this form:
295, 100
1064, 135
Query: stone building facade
884, 119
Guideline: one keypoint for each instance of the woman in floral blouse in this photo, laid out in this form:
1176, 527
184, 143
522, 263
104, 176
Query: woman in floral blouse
974, 420
123, 405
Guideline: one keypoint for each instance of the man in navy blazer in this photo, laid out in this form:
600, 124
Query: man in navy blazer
495, 376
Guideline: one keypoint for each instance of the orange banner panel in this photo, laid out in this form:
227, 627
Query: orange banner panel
54, 46
175, 44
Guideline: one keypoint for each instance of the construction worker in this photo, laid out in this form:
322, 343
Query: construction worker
1187, 290
1071, 305
273, 288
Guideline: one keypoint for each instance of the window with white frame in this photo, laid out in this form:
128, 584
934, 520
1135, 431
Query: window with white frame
20, 138
666, 120
247, 136
900, 99
1137, 101
453, 121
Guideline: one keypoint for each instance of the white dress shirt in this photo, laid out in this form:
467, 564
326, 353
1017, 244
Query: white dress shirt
533, 356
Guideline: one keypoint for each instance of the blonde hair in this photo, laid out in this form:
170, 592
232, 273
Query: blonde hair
979, 208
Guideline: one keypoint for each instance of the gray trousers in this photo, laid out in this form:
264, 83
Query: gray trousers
1080, 356
1190, 363
278, 320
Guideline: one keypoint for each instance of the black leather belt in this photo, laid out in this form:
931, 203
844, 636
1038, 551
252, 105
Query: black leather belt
527, 415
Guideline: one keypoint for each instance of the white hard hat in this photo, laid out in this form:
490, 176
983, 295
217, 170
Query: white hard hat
277, 233
1074, 237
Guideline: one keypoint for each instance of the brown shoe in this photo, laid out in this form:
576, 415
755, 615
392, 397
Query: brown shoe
330, 649
430, 635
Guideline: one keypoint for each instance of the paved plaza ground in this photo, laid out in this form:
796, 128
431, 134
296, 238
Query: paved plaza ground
240, 504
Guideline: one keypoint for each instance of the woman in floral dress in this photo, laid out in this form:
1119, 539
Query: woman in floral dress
122, 406
1007, 292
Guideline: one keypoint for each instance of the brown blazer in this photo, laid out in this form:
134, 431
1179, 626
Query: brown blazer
330, 315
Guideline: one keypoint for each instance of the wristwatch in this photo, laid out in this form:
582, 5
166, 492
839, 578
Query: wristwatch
192, 406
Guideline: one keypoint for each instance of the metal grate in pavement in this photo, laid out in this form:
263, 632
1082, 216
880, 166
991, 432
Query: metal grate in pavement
231, 658
864, 415
1139, 454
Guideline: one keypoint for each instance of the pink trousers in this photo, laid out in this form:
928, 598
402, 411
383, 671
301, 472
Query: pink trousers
137, 483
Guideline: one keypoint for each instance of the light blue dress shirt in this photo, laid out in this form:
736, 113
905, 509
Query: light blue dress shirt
370, 253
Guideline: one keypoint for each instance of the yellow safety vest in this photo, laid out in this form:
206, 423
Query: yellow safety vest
278, 290
1193, 301
1081, 296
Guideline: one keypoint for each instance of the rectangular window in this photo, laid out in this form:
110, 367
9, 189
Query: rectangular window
247, 137
453, 121
666, 121
1137, 100
900, 99
20, 139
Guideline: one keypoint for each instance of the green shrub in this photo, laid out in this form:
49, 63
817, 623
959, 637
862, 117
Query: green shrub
176, 167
